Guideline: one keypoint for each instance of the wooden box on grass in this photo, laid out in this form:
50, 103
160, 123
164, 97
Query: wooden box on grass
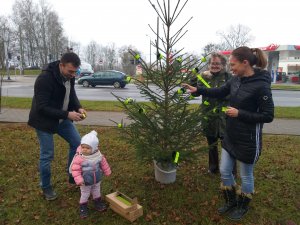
124, 206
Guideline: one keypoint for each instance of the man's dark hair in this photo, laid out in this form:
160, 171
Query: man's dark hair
70, 57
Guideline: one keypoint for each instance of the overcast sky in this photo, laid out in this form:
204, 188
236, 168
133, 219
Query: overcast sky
126, 22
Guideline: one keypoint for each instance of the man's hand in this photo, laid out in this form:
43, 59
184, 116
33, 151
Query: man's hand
75, 116
81, 110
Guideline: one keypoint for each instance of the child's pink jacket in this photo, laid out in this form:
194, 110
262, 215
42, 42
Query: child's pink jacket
91, 164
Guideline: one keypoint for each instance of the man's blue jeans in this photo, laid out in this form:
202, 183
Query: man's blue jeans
67, 131
246, 172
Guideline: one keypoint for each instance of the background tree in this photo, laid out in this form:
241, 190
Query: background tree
5, 32
235, 37
212, 47
93, 53
77, 48
39, 33
110, 54
127, 60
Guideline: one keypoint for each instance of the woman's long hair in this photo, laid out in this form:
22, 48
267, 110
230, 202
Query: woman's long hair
254, 56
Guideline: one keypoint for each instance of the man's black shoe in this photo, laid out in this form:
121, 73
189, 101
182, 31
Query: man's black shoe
49, 194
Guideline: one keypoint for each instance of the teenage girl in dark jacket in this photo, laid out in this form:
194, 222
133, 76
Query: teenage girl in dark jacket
250, 105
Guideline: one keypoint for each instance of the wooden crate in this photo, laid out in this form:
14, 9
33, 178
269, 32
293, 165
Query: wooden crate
124, 206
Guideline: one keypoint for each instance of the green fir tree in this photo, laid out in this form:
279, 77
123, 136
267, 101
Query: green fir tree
168, 123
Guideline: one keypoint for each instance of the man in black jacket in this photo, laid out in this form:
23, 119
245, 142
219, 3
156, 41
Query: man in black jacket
54, 107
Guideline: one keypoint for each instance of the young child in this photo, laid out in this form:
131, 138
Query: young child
87, 168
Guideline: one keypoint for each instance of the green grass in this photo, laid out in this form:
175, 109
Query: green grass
192, 199
15, 102
113, 106
26, 72
285, 87
25, 103
287, 112
32, 72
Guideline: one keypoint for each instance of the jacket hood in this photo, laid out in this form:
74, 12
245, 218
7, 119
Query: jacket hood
52, 67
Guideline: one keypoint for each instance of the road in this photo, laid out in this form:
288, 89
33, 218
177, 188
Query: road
23, 87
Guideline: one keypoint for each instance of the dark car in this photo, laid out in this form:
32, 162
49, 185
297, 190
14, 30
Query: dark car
108, 77
83, 74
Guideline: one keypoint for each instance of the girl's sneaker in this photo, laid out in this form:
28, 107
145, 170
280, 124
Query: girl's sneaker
83, 210
100, 205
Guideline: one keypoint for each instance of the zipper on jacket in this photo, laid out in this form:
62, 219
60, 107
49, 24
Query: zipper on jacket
94, 173
238, 87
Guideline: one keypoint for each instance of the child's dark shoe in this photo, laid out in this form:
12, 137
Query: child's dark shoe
83, 210
100, 205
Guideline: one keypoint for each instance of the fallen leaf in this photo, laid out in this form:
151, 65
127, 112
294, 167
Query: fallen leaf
213, 202
216, 218
204, 203
36, 217
290, 222
155, 214
149, 217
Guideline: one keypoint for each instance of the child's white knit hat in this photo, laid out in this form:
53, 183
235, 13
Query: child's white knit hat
91, 140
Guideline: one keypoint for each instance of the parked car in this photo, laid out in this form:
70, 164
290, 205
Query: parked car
83, 74
108, 77
32, 68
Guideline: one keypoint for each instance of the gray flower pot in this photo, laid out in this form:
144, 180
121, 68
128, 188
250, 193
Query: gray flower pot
164, 176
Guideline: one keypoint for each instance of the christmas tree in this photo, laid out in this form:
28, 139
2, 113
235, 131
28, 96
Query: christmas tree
167, 125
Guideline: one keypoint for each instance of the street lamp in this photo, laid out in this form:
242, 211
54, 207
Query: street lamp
150, 47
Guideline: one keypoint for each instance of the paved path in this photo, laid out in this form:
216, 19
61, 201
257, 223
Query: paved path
102, 118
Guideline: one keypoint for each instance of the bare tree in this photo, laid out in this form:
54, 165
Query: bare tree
42, 16
127, 60
57, 42
19, 33
6, 35
212, 47
39, 32
235, 36
76, 47
3, 29
110, 54
92, 53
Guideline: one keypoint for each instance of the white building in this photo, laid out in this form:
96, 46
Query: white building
283, 61
289, 58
